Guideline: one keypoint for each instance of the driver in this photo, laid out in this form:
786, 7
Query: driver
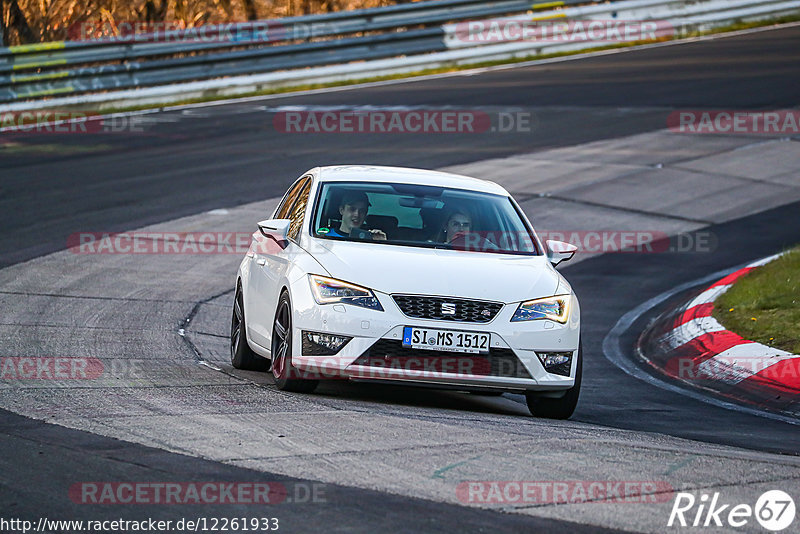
457, 225
353, 209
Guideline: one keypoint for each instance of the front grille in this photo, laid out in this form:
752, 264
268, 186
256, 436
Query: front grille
463, 310
392, 354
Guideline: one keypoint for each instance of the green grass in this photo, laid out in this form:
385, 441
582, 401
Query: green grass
764, 305
451, 68
18, 148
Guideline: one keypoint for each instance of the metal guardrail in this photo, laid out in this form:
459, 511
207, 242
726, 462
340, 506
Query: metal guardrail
419, 34
261, 32
30, 71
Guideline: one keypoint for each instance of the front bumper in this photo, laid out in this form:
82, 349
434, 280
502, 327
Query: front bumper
375, 352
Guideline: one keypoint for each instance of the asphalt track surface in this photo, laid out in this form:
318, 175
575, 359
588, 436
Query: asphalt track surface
106, 183
218, 155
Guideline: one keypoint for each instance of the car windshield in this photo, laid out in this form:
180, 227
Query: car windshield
420, 215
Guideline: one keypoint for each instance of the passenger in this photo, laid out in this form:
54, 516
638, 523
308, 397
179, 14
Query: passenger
458, 224
353, 209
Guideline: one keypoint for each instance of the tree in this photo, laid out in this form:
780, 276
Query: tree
17, 29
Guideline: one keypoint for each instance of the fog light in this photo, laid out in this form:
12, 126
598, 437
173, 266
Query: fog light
558, 363
319, 344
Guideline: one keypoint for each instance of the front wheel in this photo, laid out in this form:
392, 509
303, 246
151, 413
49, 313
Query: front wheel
242, 356
563, 407
283, 371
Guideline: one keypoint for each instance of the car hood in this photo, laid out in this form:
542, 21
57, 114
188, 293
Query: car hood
399, 269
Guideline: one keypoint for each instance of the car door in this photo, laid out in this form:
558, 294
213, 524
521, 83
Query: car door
271, 261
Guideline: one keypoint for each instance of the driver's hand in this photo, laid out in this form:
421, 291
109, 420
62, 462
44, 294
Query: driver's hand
378, 235
458, 235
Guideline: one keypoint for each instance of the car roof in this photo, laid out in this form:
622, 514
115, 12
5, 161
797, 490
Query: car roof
378, 174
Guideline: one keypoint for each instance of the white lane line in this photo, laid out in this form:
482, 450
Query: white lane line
206, 363
765, 261
612, 350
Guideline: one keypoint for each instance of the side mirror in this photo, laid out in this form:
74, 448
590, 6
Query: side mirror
277, 229
558, 251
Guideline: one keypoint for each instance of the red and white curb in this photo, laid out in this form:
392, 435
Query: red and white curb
689, 344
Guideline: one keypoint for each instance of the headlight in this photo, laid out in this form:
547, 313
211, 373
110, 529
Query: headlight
554, 308
331, 291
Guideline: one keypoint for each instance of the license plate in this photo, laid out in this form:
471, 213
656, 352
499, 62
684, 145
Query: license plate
446, 340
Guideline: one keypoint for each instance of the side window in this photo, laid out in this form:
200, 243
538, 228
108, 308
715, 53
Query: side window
288, 200
298, 211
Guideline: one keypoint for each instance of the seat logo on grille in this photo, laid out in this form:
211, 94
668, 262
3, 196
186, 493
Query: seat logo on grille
448, 308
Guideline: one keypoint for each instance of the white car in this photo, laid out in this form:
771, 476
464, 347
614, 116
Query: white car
408, 276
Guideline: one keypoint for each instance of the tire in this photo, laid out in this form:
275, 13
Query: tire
282, 368
242, 356
563, 407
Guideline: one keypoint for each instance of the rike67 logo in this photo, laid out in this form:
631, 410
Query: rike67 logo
774, 510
